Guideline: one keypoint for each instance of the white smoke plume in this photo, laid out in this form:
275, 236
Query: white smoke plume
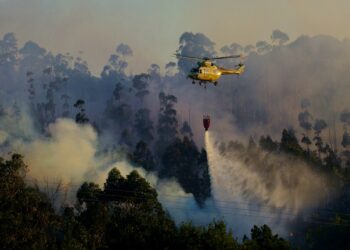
60, 162
68, 153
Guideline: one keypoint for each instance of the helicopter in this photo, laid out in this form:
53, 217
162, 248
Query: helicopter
207, 72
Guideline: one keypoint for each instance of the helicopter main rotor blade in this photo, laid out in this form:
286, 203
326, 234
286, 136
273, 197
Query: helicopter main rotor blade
225, 57
188, 57
207, 58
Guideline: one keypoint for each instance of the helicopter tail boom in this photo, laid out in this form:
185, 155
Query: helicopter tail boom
237, 71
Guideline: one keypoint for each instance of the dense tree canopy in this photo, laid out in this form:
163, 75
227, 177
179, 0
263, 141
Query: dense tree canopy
124, 214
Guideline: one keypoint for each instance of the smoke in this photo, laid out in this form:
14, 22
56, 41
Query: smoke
3, 137
69, 154
269, 188
66, 152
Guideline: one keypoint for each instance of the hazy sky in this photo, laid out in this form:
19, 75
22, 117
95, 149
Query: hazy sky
152, 27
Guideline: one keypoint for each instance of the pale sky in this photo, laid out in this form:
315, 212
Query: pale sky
152, 27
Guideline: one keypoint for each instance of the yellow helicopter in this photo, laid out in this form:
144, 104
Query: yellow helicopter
208, 72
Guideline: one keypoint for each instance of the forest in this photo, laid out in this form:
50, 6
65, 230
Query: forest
61, 127
123, 214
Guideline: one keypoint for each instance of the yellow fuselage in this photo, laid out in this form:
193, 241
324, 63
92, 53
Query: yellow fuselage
211, 73
206, 73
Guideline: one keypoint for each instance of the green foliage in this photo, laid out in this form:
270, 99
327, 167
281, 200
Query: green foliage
137, 217
214, 236
88, 192
27, 219
93, 216
75, 235
331, 235
262, 238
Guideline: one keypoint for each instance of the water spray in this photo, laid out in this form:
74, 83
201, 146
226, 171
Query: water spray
273, 189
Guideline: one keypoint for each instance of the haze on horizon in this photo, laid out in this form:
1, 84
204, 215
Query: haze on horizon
152, 27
